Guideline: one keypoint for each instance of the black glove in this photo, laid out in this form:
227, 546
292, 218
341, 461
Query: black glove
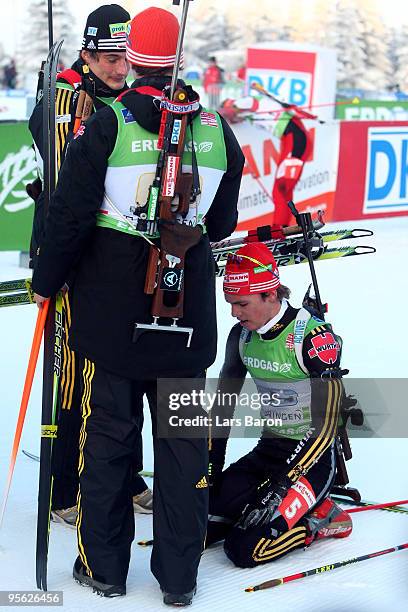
269, 499
270, 490
255, 517
34, 189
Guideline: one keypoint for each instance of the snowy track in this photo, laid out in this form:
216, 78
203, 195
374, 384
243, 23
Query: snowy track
360, 292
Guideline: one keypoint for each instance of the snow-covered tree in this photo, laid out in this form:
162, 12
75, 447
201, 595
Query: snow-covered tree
33, 45
205, 37
401, 59
322, 17
344, 31
269, 23
378, 67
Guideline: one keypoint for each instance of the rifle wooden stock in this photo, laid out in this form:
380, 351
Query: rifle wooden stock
87, 108
176, 240
183, 190
152, 264
165, 270
79, 109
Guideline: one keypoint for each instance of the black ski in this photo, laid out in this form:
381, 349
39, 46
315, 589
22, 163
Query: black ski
20, 284
52, 334
321, 253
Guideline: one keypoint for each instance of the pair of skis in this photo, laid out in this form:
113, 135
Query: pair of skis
49, 324
15, 292
288, 250
52, 333
293, 249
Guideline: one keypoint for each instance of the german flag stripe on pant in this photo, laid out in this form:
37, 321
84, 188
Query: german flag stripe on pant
88, 374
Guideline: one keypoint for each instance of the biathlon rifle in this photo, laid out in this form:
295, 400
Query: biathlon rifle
168, 204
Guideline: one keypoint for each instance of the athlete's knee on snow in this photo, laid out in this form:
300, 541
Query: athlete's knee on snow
252, 547
241, 545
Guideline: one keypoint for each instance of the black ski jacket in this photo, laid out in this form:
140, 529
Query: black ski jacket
107, 291
65, 105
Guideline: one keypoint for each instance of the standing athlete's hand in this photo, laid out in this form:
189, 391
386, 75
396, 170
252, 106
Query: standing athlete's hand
39, 300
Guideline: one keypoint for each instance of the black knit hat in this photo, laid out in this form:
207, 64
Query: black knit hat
105, 29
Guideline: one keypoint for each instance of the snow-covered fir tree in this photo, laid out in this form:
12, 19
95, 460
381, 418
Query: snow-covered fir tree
344, 31
265, 31
394, 42
378, 72
207, 36
401, 59
33, 45
321, 16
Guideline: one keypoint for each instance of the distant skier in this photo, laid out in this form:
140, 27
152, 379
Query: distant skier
212, 81
276, 498
295, 145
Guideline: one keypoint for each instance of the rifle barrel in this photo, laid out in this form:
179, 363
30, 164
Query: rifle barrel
179, 48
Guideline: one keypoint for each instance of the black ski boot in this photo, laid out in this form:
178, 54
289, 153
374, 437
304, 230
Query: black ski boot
179, 600
102, 589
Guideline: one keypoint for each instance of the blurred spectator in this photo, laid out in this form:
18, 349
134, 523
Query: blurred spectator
241, 73
10, 73
213, 80
400, 95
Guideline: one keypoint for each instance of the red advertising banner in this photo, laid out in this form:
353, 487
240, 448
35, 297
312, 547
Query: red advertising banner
315, 189
372, 178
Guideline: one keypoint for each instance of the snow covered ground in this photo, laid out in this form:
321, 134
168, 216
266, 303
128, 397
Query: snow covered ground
363, 292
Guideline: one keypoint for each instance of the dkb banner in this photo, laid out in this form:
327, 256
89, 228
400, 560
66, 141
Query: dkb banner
373, 110
17, 168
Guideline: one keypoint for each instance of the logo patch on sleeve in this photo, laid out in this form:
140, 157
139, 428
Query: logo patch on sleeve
80, 132
209, 119
325, 347
127, 116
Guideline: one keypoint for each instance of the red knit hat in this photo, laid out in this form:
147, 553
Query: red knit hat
152, 39
252, 269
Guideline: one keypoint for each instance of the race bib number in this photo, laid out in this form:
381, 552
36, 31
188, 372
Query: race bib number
299, 499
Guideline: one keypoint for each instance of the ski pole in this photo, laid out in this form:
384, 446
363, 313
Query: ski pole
363, 503
289, 107
378, 506
50, 25
323, 569
32, 362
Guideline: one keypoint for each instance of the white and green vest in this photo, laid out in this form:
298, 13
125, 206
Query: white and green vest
279, 373
132, 167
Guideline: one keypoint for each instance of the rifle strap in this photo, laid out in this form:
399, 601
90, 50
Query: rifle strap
125, 220
196, 176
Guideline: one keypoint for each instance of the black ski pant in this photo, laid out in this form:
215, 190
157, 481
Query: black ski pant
110, 431
238, 486
65, 452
